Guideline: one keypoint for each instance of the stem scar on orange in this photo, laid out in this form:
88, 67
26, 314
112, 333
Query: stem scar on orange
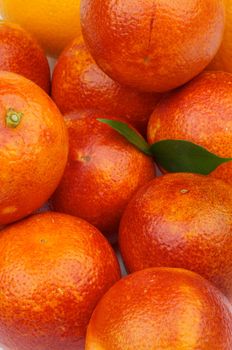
103, 172
33, 147
181, 220
78, 83
154, 45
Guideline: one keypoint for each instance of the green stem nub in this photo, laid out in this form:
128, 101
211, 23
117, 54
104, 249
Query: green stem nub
13, 118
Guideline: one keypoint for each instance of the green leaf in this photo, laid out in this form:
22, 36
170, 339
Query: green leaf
183, 156
131, 135
176, 156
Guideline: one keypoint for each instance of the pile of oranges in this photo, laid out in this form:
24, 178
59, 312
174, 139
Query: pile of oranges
76, 196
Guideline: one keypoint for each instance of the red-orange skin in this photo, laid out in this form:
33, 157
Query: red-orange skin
54, 268
161, 309
181, 220
200, 112
103, 172
78, 83
153, 45
21, 54
33, 155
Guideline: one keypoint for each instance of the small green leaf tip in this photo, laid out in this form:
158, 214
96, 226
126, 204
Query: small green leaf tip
131, 135
13, 118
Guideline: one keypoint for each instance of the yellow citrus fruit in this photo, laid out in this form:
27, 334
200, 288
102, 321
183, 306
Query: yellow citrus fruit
53, 22
223, 60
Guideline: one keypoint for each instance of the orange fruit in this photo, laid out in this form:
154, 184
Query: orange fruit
222, 61
200, 112
152, 45
53, 22
53, 270
181, 220
104, 170
163, 309
20, 53
33, 147
78, 83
